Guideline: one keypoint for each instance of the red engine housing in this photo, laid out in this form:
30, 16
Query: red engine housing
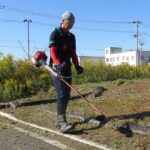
39, 55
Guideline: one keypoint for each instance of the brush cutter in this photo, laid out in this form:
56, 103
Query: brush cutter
40, 58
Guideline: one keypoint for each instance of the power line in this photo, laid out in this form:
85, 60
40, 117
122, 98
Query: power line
147, 25
58, 17
145, 33
6, 20
78, 28
18, 47
43, 23
3, 7
102, 30
16, 41
23, 47
101, 21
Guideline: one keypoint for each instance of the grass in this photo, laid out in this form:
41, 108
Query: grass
127, 101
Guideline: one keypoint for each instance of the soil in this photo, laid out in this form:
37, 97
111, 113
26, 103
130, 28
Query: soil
123, 101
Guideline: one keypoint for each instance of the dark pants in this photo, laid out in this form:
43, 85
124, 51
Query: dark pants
63, 94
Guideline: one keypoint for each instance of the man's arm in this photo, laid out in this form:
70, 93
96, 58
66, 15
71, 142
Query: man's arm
74, 57
54, 55
76, 62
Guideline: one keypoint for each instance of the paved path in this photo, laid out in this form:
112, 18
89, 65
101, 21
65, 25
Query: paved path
15, 136
11, 139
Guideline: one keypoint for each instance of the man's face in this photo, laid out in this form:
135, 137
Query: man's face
67, 24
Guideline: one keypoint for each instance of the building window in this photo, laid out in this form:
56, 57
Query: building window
107, 51
107, 59
113, 58
123, 58
132, 57
118, 58
142, 57
127, 58
148, 59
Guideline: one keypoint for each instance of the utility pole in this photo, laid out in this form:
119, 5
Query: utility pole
137, 33
141, 44
28, 22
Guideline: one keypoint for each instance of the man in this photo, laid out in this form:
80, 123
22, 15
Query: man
62, 50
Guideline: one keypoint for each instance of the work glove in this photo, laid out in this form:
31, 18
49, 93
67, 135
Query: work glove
60, 69
79, 69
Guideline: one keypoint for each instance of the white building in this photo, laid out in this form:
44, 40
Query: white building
115, 56
91, 58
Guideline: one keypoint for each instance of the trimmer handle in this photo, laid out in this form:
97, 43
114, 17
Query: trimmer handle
50, 69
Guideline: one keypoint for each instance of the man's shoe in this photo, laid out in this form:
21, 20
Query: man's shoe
62, 125
66, 127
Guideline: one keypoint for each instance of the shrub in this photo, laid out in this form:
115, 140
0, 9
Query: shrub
21, 79
6, 68
11, 88
44, 82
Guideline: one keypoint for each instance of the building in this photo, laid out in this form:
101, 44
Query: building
91, 58
115, 56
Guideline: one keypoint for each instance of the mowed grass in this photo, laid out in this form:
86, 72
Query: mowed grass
123, 101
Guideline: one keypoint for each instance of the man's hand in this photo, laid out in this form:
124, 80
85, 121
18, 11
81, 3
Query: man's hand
60, 69
79, 69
